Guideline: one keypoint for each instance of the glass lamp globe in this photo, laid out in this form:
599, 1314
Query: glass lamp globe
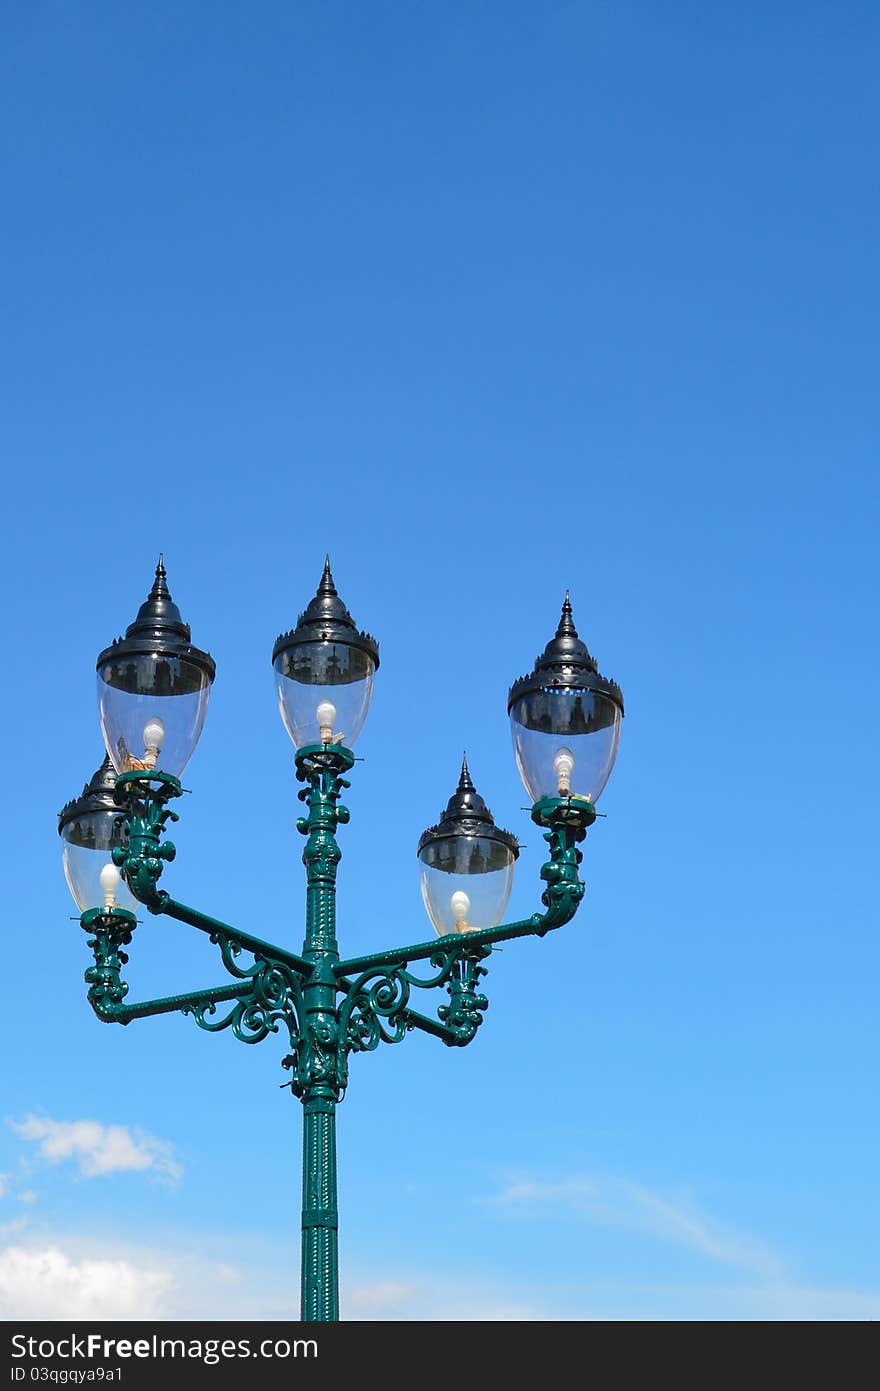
565, 720
466, 864
324, 671
153, 688
91, 826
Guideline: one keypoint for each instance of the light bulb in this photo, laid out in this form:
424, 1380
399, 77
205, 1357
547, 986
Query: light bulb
460, 904
154, 733
109, 880
326, 713
563, 763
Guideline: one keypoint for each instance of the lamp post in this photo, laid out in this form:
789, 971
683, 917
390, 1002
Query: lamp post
153, 690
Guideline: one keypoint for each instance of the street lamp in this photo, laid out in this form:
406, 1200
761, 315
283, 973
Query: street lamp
466, 863
153, 689
91, 828
565, 720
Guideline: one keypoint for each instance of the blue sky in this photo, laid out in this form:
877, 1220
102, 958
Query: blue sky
490, 301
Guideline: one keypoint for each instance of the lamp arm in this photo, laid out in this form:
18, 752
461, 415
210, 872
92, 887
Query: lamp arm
143, 801
412, 1019
561, 898
375, 1007
194, 1000
223, 932
455, 947
264, 993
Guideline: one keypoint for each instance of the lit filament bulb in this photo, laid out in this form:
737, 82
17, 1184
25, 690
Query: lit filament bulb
154, 733
563, 764
109, 879
460, 905
326, 713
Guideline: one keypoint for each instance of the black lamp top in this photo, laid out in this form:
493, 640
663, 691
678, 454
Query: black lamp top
466, 814
327, 620
158, 629
97, 795
565, 664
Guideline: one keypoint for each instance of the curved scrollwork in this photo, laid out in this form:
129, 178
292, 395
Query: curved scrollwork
269, 986
443, 962
374, 1010
275, 995
230, 948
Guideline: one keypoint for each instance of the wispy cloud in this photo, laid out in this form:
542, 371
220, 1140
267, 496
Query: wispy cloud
442, 1296
98, 1149
446, 1295
8, 1189
621, 1203
379, 1299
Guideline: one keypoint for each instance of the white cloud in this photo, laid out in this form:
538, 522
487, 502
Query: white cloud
98, 1149
40, 1283
74, 1276
622, 1203
216, 1276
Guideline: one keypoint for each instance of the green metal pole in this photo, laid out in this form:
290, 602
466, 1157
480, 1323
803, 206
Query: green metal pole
319, 1075
303, 990
320, 1221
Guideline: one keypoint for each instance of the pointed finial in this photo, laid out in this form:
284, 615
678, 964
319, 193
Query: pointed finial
566, 664
160, 588
566, 627
466, 814
327, 586
326, 619
464, 782
158, 628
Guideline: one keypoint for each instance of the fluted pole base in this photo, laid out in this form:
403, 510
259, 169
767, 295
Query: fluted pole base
320, 1221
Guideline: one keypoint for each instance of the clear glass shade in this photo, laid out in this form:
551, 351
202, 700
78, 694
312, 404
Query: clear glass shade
466, 882
565, 742
324, 691
87, 843
152, 710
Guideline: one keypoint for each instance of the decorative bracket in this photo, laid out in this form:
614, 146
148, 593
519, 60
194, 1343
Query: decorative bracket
304, 991
143, 798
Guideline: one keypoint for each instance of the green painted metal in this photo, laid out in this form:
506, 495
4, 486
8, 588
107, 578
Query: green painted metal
330, 1008
317, 1063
